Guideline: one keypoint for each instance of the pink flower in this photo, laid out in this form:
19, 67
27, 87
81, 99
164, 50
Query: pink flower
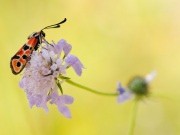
43, 76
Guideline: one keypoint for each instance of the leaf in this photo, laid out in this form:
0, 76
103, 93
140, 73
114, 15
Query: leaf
64, 77
59, 85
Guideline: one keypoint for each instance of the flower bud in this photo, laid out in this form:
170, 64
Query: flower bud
138, 85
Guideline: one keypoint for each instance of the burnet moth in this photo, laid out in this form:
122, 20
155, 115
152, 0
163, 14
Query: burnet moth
19, 60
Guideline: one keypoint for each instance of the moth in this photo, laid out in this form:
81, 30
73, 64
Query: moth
19, 60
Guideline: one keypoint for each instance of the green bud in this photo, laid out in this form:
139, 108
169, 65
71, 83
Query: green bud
138, 85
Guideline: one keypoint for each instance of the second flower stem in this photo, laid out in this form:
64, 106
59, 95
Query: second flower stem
133, 116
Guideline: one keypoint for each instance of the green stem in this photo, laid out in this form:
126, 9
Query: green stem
133, 116
90, 90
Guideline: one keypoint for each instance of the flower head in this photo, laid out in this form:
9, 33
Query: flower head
43, 75
137, 86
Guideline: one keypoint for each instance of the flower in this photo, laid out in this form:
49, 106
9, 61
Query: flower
73, 61
124, 94
137, 86
45, 72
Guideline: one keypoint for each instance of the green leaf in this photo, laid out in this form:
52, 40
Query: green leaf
68, 67
64, 57
64, 77
59, 85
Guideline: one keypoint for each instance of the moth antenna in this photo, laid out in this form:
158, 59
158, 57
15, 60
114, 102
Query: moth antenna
57, 25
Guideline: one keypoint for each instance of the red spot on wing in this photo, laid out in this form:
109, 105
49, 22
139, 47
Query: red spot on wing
23, 61
20, 52
28, 52
32, 42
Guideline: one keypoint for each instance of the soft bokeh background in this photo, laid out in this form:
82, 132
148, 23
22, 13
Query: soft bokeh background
115, 40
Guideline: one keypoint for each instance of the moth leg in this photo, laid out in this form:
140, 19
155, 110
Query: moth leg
47, 42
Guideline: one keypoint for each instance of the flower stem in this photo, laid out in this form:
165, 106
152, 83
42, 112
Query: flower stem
90, 90
133, 116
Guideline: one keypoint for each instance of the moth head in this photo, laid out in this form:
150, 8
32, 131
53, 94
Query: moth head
42, 33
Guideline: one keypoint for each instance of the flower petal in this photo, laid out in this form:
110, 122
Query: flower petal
120, 89
60, 101
150, 76
52, 54
65, 99
22, 83
59, 62
124, 97
54, 67
67, 48
77, 68
62, 69
59, 47
64, 110
73, 61
37, 100
45, 54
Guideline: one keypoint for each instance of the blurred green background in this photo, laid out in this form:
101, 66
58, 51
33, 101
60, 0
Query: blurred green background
115, 40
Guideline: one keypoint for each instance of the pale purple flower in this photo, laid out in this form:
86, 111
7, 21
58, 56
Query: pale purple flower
127, 93
42, 76
60, 101
62, 45
73, 61
124, 94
